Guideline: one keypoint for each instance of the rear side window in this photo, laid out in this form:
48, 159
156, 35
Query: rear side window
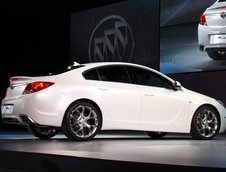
114, 74
91, 74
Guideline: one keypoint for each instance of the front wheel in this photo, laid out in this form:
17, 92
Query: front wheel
205, 124
43, 132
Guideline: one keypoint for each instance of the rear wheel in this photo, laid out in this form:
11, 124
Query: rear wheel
155, 135
82, 121
205, 124
43, 132
217, 55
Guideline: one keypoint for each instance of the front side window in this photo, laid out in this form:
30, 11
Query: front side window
149, 78
115, 73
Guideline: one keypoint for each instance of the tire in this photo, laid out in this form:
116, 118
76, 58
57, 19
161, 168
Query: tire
44, 132
82, 121
205, 123
217, 55
155, 135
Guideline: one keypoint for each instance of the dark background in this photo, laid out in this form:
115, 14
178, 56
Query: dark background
35, 36
142, 16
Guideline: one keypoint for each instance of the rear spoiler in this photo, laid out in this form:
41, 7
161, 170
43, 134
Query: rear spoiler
17, 79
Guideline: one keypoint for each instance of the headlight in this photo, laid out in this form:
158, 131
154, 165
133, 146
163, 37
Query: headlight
221, 103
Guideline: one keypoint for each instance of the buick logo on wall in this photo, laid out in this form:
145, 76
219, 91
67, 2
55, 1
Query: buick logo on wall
111, 40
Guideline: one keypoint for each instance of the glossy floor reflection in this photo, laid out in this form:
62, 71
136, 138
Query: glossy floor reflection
175, 149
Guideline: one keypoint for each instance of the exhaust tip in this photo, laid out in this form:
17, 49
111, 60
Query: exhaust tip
27, 120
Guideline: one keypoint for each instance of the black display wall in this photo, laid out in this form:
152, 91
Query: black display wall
212, 84
126, 31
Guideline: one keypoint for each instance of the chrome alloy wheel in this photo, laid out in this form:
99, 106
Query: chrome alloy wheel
207, 123
83, 121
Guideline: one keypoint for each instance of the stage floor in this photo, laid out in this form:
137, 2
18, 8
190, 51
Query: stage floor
173, 149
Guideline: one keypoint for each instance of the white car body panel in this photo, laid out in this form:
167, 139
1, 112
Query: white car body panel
123, 106
175, 105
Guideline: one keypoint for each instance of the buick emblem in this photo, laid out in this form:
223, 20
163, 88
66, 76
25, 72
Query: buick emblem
223, 14
111, 40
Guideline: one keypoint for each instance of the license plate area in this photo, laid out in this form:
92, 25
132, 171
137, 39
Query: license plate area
218, 39
7, 109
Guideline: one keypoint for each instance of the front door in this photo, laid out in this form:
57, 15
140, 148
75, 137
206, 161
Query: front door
163, 108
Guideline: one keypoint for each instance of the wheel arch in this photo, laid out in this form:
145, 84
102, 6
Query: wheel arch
87, 101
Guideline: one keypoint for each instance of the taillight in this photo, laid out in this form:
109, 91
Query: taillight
219, 8
36, 86
203, 20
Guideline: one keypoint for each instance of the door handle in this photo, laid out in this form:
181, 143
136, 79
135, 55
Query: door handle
148, 94
103, 88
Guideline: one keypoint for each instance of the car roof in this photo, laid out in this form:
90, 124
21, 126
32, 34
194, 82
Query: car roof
107, 63
99, 64
88, 66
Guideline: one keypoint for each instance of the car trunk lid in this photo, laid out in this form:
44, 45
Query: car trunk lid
216, 16
19, 83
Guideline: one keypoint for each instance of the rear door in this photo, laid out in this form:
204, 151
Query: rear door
121, 98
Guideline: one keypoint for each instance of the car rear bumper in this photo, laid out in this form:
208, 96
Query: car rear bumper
39, 108
204, 38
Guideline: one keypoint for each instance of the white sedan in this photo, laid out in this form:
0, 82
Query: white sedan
212, 30
110, 96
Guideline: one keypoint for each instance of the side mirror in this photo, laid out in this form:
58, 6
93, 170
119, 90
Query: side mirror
177, 85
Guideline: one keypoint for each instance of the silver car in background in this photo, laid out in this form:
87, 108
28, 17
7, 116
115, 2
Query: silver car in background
212, 30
